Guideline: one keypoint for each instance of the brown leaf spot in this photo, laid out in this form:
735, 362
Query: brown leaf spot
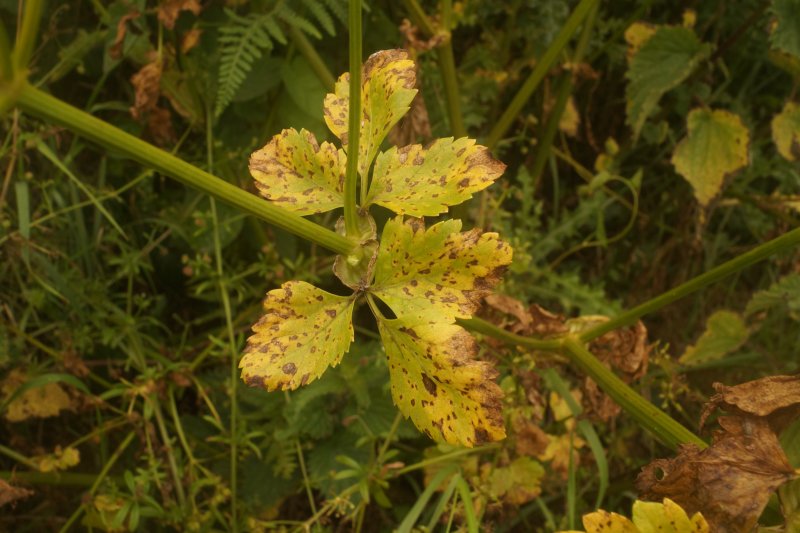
430, 386
290, 369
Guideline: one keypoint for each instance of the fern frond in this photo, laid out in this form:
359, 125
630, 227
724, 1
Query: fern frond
291, 17
338, 8
321, 15
242, 43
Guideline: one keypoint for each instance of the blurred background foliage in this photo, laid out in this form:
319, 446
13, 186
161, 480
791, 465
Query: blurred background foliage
116, 342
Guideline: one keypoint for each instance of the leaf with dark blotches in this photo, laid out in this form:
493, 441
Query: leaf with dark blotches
387, 88
437, 274
648, 517
421, 181
436, 381
729, 482
775, 398
299, 174
304, 330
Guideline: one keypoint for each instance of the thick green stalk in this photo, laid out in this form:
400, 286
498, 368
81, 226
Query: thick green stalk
42, 105
354, 121
478, 325
755, 255
26, 37
316, 63
661, 425
540, 70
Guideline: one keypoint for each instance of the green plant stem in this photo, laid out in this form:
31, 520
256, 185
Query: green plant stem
316, 63
50, 478
759, 253
478, 325
26, 37
354, 122
18, 457
42, 105
540, 70
661, 425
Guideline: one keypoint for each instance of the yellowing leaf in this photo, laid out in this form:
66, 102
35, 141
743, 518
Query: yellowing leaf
297, 173
387, 88
436, 274
517, 483
664, 60
648, 517
304, 330
725, 332
424, 181
570, 118
636, 35
716, 146
60, 459
786, 131
605, 522
436, 382
38, 402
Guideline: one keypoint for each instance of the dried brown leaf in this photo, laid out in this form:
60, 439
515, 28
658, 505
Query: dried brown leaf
11, 494
529, 438
729, 482
170, 10
115, 51
511, 306
190, 39
776, 398
147, 84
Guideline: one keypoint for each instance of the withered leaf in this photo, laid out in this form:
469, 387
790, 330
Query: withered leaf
147, 84
39, 402
304, 330
438, 274
729, 482
776, 398
10, 494
169, 10
421, 181
299, 174
436, 381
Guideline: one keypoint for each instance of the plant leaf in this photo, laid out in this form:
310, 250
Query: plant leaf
436, 274
716, 146
387, 88
667, 517
786, 34
297, 173
663, 61
424, 181
304, 330
725, 332
786, 130
436, 382
784, 294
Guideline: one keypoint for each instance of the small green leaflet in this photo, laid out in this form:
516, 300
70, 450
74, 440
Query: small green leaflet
304, 330
662, 63
297, 173
387, 88
786, 34
420, 181
435, 381
725, 332
437, 273
786, 131
715, 147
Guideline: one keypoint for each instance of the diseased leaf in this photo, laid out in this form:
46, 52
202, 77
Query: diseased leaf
387, 88
436, 382
60, 459
297, 173
605, 522
730, 482
420, 181
648, 517
786, 129
38, 402
304, 330
11, 494
725, 333
169, 10
436, 274
716, 146
786, 33
518, 483
662, 62
776, 398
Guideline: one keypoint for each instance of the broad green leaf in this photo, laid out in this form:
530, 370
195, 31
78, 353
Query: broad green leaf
304, 330
725, 332
663, 61
786, 33
421, 181
716, 146
436, 274
784, 293
297, 173
387, 88
786, 131
436, 382
667, 517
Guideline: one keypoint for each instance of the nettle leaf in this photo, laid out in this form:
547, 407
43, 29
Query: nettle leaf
715, 147
387, 89
421, 181
297, 173
437, 274
664, 60
304, 330
436, 382
786, 131
786, 34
